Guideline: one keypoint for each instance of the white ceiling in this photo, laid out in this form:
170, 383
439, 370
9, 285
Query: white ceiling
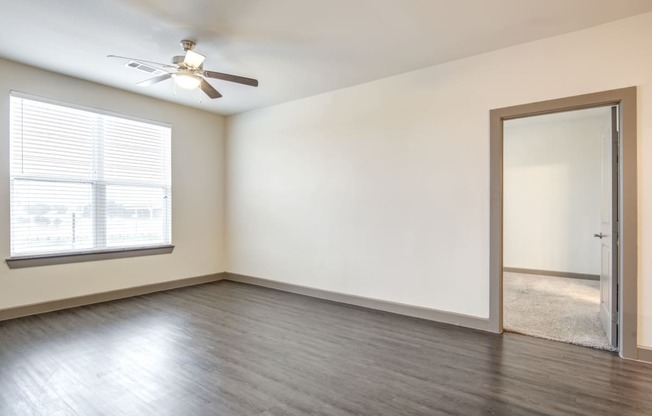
295, 48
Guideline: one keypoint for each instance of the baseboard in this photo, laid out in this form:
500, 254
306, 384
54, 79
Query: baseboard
645, 354
74, 302
570, 275
382, 305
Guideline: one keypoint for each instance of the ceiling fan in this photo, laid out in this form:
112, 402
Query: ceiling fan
186, 70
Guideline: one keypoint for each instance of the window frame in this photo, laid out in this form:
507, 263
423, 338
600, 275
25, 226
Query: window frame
94, 254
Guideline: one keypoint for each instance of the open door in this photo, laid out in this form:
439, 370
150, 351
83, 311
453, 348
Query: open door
620, 294
608, 234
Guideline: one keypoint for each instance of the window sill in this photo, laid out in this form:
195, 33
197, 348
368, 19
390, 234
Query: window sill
52, 259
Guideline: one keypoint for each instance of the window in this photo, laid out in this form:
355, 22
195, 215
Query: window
86, 181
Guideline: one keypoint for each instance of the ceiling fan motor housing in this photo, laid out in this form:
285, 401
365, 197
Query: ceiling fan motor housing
180, 62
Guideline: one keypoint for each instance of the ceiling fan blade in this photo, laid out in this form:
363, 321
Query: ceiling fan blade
193, 59
232, 78
154, 80
208, 89
141, 60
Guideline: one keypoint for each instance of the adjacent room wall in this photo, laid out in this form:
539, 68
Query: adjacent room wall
552, 191
382, 190
197, 194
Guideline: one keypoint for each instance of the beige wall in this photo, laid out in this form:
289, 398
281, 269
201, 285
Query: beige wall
382, 189
197, 187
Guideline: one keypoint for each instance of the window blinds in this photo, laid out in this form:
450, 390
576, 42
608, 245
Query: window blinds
83, 180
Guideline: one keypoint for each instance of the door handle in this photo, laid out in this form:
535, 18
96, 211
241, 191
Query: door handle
599, 235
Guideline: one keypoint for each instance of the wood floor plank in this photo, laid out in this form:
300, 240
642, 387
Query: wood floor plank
228, 348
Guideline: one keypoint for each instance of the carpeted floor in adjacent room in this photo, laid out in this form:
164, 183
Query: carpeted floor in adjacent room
556, 308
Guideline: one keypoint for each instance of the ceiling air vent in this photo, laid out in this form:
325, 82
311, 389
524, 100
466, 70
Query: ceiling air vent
144, 68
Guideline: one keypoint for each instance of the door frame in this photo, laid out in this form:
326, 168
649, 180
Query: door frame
625, 99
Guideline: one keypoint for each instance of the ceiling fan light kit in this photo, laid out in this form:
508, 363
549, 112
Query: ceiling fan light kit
186, 81
188, 72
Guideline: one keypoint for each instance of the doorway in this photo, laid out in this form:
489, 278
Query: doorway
558, 188
625, 305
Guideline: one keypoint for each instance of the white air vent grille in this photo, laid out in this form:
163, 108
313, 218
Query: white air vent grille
144, 68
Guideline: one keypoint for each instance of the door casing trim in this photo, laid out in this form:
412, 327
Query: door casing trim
625, 98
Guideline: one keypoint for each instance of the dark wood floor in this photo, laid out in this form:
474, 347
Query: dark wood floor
231, 349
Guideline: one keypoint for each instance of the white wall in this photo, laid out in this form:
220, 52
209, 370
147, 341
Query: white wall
552, 191
197, 187
382, 189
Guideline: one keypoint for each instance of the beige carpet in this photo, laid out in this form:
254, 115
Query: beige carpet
555, 308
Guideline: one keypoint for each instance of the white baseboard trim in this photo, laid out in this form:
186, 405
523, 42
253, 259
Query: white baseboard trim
55, 305
382, 305
645, 354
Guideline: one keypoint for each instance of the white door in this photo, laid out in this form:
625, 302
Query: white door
608, 234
